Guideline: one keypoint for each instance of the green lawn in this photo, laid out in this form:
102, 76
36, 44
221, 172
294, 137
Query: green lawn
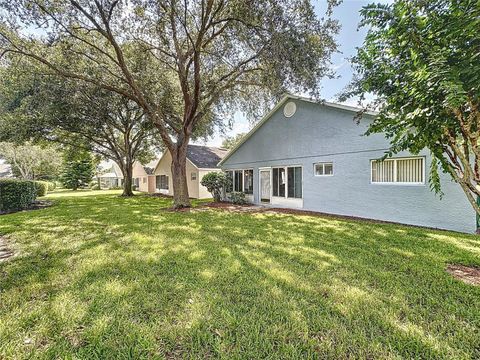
100, 276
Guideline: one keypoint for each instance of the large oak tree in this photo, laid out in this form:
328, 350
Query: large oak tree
203, 58
39, 107
421, 61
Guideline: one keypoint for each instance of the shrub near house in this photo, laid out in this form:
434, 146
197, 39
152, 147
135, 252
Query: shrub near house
42, 188
16, 194
216, 183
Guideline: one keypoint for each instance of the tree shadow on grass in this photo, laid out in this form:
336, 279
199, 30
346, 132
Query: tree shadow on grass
119, 276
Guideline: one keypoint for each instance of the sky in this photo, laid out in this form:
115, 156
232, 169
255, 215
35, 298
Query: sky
349, 37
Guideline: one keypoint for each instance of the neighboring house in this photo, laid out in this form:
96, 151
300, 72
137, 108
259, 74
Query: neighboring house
143, 177
314, 156
200, 161
111, 177
5, 170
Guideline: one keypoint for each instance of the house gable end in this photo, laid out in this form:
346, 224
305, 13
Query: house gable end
315, 129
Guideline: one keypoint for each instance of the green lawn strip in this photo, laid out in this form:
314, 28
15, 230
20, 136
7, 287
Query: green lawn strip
101, 276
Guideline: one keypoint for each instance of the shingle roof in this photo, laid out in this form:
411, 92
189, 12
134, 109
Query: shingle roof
150, 167
205, 157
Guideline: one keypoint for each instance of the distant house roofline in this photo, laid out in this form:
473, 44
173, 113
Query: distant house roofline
201, 157
278, 105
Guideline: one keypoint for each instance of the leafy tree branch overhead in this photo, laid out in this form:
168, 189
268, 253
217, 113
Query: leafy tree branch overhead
199, 59
421, 60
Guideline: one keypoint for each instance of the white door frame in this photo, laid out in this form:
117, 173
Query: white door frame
269, 169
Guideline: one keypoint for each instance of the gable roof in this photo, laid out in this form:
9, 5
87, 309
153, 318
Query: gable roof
279, 104
205, 157
202, 157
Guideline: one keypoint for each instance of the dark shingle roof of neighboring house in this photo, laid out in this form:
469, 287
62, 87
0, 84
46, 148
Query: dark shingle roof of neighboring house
205, 157
149, 170
5, 171
150, 167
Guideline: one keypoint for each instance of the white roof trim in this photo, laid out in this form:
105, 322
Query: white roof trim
159, 161
279, 104
190, 161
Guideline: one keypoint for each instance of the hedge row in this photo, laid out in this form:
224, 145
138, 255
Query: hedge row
16, 194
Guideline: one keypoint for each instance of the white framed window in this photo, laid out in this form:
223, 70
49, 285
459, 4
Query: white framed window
193, 176
287, 182
279, 181
248, 181
238, 180
294, 182
398, 171
242, 180
323, 169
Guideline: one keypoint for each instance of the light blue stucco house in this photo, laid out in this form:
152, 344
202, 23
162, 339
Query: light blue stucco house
314, 156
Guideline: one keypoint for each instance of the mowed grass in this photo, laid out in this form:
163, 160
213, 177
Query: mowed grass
100, 276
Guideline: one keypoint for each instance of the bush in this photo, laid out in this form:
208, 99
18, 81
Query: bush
42, 188
16, 194
238, 198
51, 186
92, 184
216, 183
95, 187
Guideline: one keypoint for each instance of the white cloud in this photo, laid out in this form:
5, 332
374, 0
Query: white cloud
340, 65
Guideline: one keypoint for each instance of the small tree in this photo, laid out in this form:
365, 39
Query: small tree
31, 162
420, 60
79, 169
216, 183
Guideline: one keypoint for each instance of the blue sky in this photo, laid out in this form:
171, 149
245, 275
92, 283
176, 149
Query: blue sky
348, 39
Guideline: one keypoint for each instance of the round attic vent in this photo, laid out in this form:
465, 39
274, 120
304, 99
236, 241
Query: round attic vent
289, 109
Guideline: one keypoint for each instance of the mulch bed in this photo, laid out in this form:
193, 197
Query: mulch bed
5, 252
468, 274
37, 205
160, 195
233, 207
221, 205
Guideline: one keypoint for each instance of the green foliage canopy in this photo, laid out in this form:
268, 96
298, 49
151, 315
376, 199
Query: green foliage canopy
421, 61
187, 64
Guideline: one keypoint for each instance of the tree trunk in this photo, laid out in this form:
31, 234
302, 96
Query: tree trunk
127, 171
179, 177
